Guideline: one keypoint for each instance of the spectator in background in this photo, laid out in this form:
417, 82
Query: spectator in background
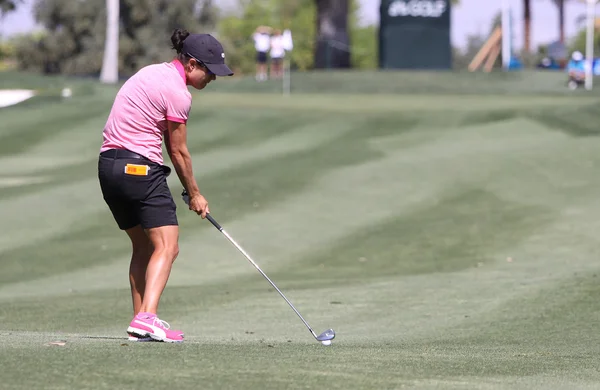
262, 44
277, 54
549, 63
576, 67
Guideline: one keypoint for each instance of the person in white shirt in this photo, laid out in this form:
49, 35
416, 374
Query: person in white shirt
277, 54
262, 44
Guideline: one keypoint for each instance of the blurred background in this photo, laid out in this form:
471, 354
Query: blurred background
68, 37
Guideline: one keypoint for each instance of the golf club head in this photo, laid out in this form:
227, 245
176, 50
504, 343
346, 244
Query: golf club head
329, 334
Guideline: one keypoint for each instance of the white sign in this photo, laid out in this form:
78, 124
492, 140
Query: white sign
415, 8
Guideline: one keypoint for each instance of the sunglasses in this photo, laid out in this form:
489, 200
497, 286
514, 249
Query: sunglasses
201, 63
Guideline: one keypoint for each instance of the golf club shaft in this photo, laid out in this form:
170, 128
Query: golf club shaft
239, 248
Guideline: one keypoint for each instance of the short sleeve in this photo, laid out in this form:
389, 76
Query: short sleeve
178, 106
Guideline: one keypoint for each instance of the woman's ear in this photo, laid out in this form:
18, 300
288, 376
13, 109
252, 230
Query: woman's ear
191, 65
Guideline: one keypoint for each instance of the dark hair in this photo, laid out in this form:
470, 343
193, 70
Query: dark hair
177, 39
179, 35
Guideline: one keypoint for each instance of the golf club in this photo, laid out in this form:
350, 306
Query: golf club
324, 337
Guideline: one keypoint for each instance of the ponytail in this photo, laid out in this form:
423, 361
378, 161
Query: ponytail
179, 35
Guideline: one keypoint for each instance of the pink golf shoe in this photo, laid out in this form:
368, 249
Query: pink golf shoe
149, 325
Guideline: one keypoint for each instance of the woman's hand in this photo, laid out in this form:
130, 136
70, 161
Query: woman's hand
199, 205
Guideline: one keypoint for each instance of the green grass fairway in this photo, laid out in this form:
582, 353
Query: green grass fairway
450, 239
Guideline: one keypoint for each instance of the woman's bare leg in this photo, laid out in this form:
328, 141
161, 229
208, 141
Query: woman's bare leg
164, 241
141, 252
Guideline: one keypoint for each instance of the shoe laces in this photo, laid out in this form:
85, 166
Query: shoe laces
161, 323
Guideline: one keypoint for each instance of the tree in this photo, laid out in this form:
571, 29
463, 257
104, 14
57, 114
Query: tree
7, 6
364, 47
579, 42
235, 31
208, 14
75, 32
332, 41
527, 22
561, 19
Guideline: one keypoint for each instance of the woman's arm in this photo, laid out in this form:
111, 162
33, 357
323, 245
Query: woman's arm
176, 143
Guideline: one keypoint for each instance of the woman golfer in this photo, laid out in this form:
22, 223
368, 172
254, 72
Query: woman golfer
151, 106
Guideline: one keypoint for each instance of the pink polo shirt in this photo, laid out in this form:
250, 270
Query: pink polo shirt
155, 94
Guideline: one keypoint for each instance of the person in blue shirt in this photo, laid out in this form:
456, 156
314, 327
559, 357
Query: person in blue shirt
576, 68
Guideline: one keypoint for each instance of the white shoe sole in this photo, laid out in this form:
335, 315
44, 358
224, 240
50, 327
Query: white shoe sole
164, 340
140, 339
144, 334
